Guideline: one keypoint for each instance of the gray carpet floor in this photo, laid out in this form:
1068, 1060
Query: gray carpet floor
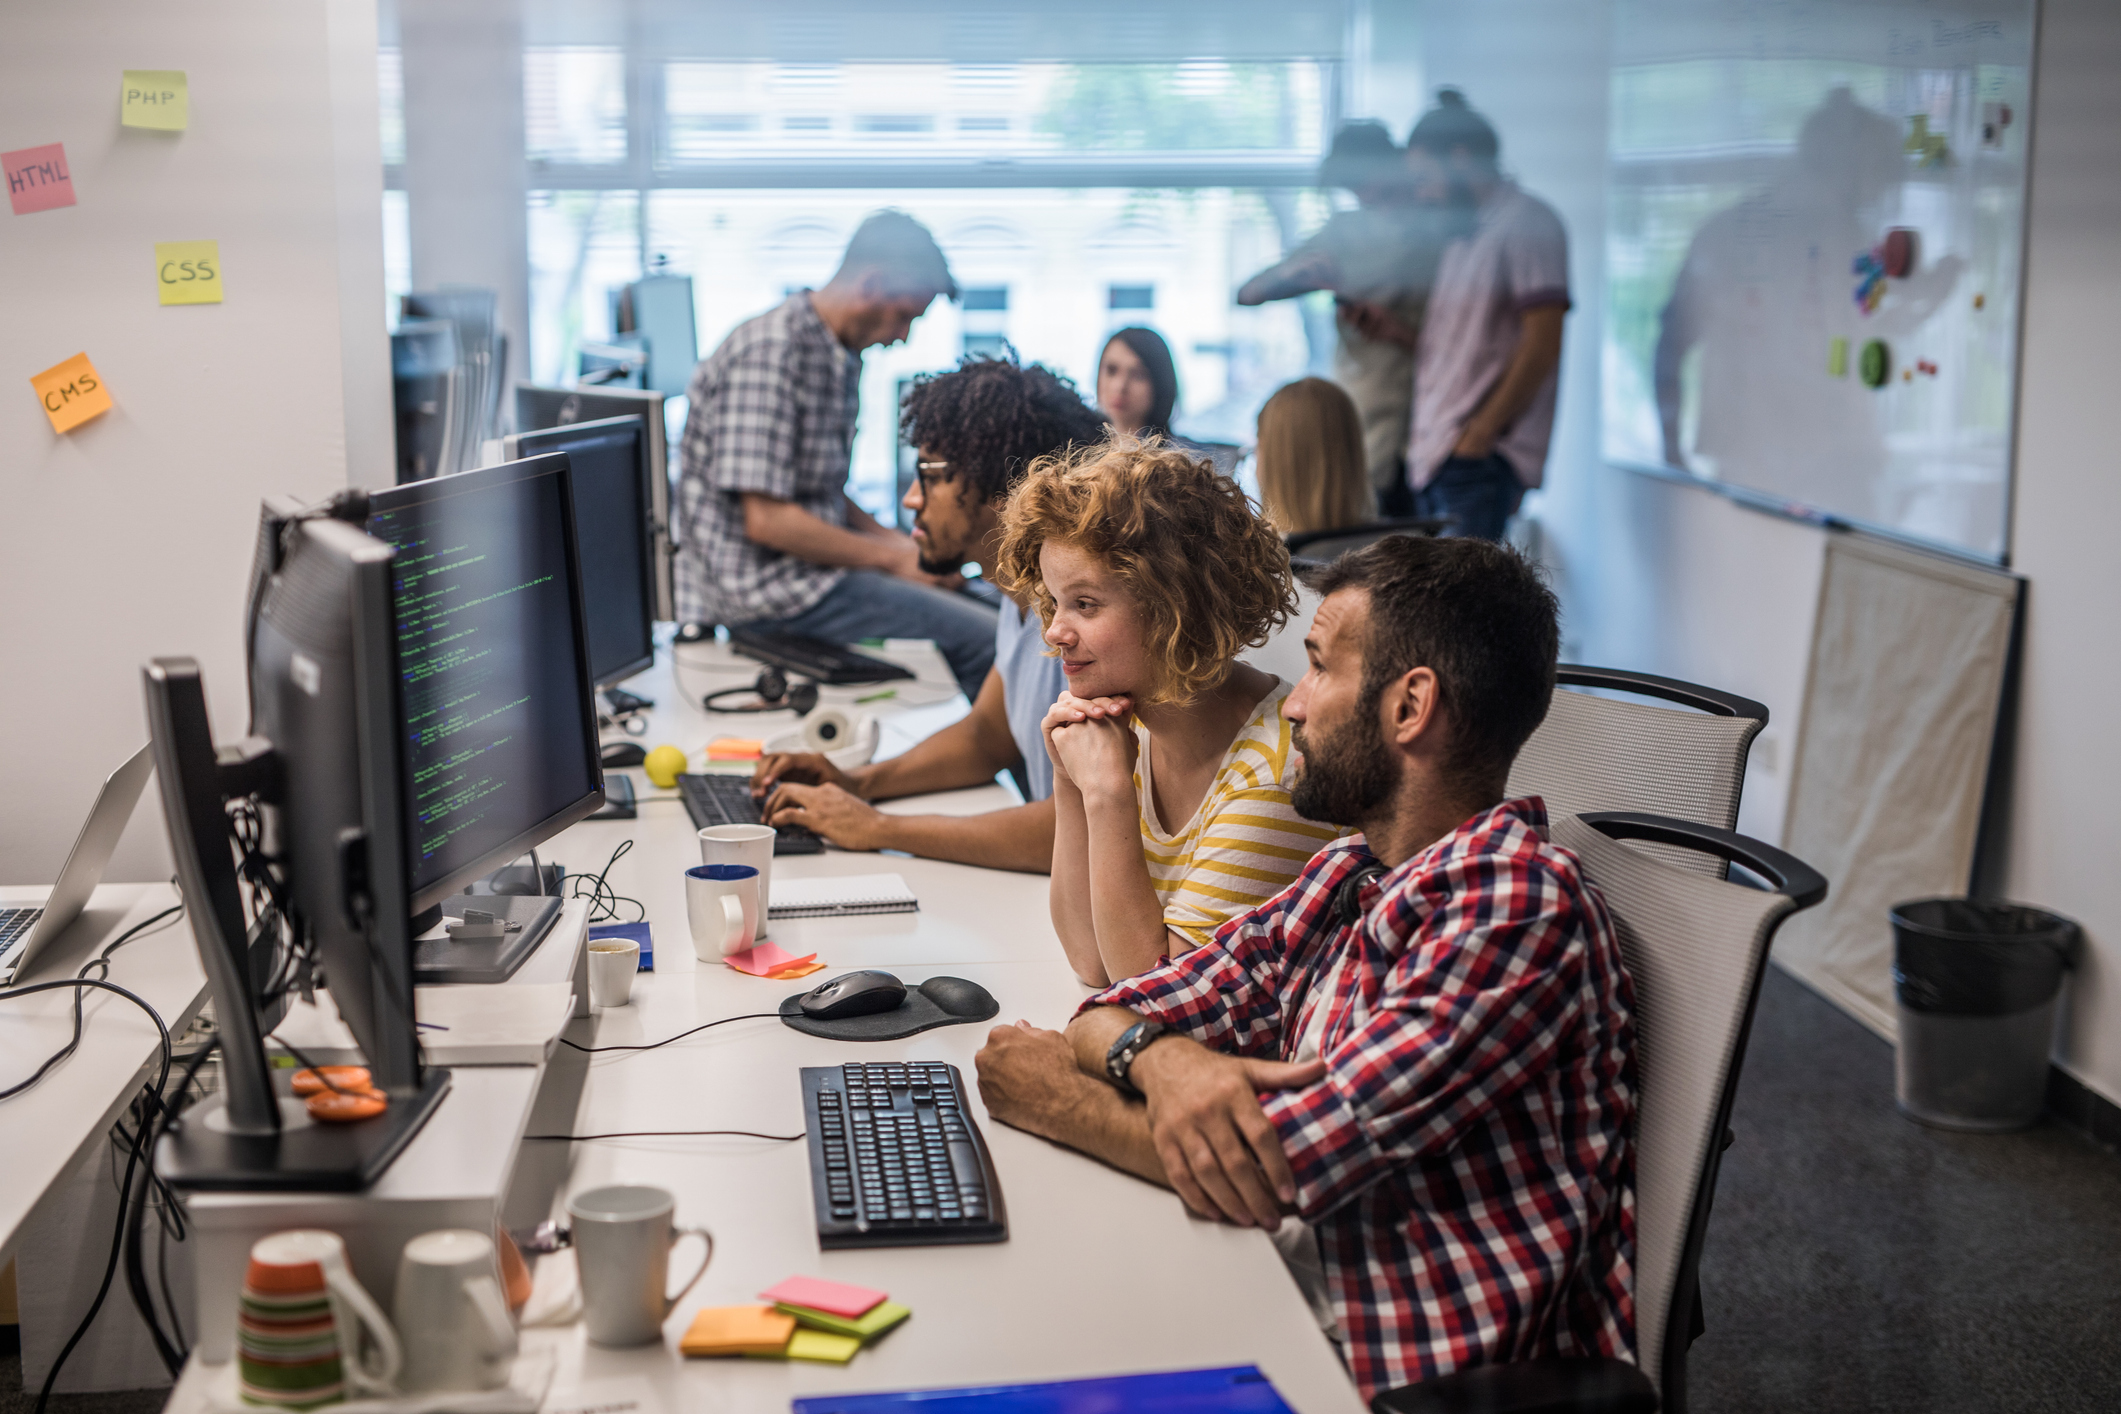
1857, 1260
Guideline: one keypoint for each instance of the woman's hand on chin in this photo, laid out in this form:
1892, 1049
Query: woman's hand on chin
1070, 710
1097, 755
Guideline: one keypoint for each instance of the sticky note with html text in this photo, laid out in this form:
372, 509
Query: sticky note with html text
154, 98
72, 392
37, 178
188, 272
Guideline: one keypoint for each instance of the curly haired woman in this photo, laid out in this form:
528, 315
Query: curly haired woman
1172, 763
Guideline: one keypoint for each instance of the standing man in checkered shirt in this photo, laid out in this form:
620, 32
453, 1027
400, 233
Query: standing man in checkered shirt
1415, 1065
768, 537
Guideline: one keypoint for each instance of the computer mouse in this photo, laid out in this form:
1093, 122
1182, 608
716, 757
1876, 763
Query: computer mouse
853, 994
695, 632
621, 753
959, 997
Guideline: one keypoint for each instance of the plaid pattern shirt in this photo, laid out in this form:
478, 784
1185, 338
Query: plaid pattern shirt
1465, 1163
772, 410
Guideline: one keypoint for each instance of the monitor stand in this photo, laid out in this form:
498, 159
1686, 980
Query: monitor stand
623, 702
437, 957
199, 1152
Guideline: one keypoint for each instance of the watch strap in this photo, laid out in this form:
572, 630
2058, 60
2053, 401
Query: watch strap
1119, 1060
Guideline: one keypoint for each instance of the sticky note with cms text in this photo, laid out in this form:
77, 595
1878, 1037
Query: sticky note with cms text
188, 272
72, 392
154, 98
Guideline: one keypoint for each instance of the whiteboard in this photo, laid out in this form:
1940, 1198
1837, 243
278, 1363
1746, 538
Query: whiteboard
1767, 331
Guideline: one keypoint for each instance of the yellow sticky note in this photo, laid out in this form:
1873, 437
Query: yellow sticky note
154, 98
188, 272
72, 392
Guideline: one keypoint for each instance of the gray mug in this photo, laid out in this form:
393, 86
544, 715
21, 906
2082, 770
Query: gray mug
622, 1241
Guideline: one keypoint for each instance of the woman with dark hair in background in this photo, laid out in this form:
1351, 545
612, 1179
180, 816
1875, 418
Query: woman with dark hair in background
1137, 383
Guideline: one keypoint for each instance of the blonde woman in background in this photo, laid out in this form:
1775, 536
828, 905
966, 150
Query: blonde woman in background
1312, 475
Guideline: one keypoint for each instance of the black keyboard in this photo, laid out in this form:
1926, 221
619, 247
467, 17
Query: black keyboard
726, 800
814, 658
895, 1160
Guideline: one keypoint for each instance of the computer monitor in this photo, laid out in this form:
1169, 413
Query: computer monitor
323, 770
616, 535
427, 397
499, 722
538, 408
659, 309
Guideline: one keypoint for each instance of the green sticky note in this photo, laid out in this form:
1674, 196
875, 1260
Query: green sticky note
154, 98
1837, 358
823, 1346
870, 1324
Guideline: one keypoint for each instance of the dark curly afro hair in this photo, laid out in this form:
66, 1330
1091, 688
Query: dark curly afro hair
990, 418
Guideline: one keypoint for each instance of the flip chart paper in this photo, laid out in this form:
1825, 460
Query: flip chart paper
72, 392
188, 272
37, 178
154, 98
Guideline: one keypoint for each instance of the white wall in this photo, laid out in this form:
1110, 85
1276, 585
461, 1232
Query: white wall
2068, 506
1672, 579
131, 537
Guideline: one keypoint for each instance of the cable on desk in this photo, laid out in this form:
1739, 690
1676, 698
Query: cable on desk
652, 1045
132, 1162
604, 900
101, 960
668, 1134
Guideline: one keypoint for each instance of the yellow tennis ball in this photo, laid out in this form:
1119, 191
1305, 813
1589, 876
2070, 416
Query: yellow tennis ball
663, 765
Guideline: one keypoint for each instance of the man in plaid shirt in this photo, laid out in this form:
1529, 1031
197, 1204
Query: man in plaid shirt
767, 537
1414, 1066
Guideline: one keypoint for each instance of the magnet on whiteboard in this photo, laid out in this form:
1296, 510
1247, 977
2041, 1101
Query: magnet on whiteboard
1899, 252
1875, 364
1837, 357
1980, 301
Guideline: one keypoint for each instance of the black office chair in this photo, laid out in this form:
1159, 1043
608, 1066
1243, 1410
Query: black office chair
1695, 948
1319, 547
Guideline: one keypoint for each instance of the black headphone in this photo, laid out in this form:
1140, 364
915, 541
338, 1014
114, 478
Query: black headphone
774, 694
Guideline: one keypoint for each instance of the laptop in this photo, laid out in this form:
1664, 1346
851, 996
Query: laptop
25, 932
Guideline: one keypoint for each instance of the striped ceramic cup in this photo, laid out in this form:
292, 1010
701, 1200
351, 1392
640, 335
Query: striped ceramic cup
307, 1334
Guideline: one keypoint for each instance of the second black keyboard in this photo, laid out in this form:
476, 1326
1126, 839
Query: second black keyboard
726, 800
895, 1160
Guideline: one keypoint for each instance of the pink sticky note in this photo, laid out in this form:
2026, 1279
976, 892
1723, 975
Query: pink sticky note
37, 178
834, 1298
764, 958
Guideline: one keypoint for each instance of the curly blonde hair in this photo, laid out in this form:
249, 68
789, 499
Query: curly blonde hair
1208, 573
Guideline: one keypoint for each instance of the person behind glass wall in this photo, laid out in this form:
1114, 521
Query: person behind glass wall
1490, 341
1379, 261
1312, 472
1137, 383
768, 537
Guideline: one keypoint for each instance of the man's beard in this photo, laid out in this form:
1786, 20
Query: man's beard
932, 565
1347, 776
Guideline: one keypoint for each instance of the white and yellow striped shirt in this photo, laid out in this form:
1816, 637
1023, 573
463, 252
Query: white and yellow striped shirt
1245, 844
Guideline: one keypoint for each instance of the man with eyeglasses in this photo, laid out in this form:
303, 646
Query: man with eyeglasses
768, 537
977, 428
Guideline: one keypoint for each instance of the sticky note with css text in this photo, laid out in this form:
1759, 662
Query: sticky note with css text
37, 178
72, 392
154, 98
188, 272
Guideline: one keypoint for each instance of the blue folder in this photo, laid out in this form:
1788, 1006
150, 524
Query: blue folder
1236, 1389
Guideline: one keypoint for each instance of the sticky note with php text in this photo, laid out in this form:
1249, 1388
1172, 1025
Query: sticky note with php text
188, 272
154, 98
72, 392
37, 178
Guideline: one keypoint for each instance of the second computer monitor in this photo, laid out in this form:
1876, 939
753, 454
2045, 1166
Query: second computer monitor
539, 408
498, 721
616, 533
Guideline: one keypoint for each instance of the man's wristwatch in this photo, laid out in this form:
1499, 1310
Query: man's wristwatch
1119, 1061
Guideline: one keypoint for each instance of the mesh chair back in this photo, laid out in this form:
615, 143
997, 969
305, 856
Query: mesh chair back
1694, 948
1602, 753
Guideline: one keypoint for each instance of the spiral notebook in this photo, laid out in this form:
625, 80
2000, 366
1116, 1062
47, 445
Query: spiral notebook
844, 896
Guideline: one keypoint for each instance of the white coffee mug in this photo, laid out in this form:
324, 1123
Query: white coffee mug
613, 964
722, 905
622, 1241
452, 1317
743, 844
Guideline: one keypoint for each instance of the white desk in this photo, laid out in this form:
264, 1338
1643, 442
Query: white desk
1101, 1274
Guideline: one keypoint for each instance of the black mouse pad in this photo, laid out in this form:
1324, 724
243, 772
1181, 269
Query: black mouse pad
915, 1014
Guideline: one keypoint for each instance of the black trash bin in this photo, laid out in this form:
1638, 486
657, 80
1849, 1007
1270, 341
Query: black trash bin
1976, 985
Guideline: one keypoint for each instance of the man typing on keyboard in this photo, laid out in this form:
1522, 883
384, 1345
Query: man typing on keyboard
1414, 1066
